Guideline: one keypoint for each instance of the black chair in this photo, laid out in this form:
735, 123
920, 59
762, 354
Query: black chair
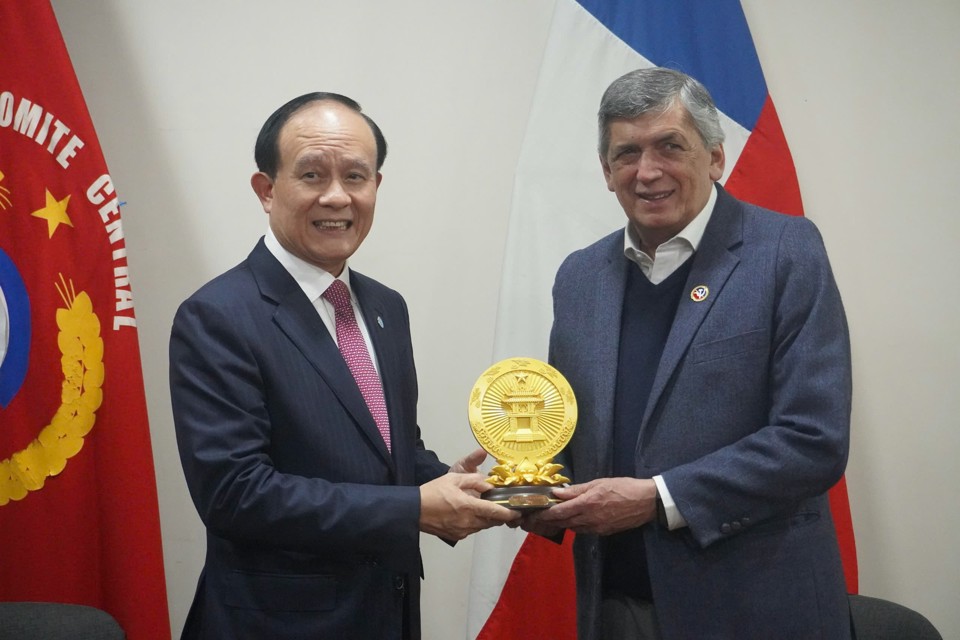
56, 621
877, 619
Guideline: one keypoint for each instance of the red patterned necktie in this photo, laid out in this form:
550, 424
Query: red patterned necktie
354, 351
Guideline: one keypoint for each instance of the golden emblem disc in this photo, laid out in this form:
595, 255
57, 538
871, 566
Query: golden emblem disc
522, 411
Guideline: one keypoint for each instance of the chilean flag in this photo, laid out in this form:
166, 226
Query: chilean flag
522, 586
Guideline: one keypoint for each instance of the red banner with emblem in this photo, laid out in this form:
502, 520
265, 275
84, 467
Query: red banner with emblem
78, 505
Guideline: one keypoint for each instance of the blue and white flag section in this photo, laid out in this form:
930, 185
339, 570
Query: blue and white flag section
522, 585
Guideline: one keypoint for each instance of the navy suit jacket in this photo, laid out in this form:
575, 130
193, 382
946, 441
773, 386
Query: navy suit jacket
747, 422
312, 526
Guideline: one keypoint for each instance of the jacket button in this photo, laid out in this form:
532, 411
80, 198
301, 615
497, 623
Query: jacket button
736, 525
725, 528
399, 583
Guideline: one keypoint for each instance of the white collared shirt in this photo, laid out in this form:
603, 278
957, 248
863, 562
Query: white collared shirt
674, 252
314, 281
668, 257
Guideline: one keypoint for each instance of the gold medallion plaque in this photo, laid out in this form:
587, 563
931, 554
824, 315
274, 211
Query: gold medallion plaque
523, 412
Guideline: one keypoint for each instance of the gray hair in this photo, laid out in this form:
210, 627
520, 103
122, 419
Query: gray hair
656, 89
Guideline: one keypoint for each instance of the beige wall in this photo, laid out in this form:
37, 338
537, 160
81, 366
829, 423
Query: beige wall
867, 94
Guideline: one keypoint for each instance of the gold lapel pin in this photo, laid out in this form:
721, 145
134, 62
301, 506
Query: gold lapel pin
699, 293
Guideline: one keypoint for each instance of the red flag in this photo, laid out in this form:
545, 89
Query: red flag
78, 505
538, 595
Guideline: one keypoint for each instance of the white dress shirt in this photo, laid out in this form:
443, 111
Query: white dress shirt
314, 281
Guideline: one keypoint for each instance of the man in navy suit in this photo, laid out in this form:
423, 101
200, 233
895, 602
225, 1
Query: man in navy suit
709, 353
313, 494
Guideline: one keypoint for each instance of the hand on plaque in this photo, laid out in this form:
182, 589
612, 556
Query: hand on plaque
451, 507
603, 506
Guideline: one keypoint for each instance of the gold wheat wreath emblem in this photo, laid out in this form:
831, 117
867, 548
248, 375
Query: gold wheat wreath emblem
81, 349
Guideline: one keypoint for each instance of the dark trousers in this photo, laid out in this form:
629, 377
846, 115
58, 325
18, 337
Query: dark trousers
626, 618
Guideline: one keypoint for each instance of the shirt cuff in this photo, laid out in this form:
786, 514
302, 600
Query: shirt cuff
674, 519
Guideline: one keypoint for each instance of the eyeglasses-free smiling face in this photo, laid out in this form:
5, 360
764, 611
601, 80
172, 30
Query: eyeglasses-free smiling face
322, 201
661, 172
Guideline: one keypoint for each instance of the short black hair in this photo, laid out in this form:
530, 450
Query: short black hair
266, 152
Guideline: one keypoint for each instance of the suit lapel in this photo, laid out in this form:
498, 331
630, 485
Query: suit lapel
298, 319
606, 310
712, 265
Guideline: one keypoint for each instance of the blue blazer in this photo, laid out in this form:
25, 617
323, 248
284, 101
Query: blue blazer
747, 422
312, 526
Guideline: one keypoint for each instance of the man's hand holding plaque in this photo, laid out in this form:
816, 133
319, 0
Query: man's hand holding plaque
523, 412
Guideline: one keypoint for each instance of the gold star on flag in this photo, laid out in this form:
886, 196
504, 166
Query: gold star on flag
55, 213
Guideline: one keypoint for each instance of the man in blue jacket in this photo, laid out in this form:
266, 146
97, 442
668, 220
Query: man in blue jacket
709, 353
